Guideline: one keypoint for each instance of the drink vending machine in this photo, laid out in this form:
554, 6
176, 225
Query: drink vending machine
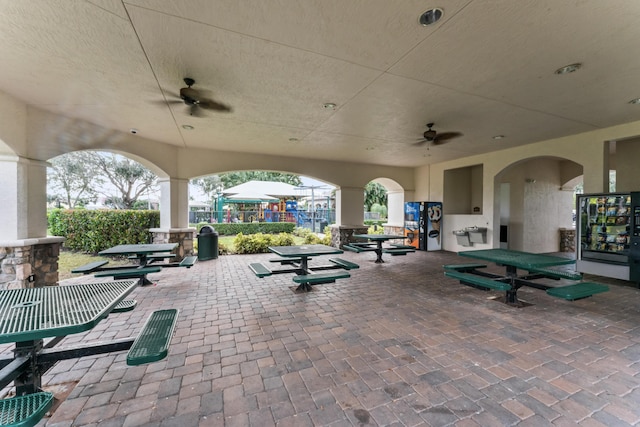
423, 224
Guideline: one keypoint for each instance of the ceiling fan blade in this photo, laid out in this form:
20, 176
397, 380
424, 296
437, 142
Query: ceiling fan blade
167, 102
445, 136
420, 142
209, 104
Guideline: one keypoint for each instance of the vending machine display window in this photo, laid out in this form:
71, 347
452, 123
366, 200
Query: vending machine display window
603, 227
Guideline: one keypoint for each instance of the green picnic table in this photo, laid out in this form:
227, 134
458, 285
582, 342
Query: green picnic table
29, 315
512, 261
379, 239
298, 263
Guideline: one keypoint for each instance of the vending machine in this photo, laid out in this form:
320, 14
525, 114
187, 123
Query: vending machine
422, 225
608, 232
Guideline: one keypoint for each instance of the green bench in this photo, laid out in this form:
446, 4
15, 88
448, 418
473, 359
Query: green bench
260, 270
577, 291
463, 267
154, 257
125, 305
476, 281
402, 246
556, 274
188, 261
347, 265
398, 251
25, 411
128, 273
363, 244
152, 344
89, 268
358, 249
309, 279
288, 261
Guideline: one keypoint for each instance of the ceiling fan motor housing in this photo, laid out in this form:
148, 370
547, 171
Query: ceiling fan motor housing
430, 135
188, 95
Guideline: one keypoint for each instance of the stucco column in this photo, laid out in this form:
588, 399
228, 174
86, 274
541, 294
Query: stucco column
350, 206
23, 199
174, 217
395, 208
174, 203
28, 258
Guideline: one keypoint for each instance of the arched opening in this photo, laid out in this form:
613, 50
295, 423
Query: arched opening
262, 196
533, 203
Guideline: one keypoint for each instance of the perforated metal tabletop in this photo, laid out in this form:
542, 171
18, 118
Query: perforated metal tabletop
36, 313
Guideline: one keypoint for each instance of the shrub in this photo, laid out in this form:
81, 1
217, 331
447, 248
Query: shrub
258, 243
93, 231
230, 229
311, 239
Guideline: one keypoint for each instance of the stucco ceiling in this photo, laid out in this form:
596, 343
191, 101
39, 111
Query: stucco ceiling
486, 69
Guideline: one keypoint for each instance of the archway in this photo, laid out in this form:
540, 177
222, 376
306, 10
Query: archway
532, 203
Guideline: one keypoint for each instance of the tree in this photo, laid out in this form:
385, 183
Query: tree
208, 185
232, 179
70, 176
374, 193
129, 179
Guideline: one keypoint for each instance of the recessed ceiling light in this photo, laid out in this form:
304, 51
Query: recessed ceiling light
187, 127
569, 68
329, 106
635, 101
431, 16
498, 137
133, 131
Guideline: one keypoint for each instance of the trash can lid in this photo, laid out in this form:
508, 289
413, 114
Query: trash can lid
207, 229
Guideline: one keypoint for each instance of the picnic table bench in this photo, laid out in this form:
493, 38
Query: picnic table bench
397, 251
152, 343
306, 280
480, 282
359, 248
153, 257
90, 267
129, 273
347, 265
260, 270
25, 411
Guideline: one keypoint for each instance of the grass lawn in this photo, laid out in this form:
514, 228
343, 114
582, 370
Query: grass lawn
69, 260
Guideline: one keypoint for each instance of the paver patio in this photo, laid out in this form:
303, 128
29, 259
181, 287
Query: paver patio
396, 344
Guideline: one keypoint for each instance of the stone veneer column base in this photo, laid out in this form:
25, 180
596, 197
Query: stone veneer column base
567, 240
29, 263
397, 230
182, 236
341, 234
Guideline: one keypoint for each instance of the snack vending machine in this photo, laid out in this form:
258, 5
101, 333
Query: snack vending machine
608, 231
422, 225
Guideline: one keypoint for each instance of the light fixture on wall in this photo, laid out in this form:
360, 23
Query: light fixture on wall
530, 181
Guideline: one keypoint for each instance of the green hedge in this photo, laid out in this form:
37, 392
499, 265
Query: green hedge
231, 229
93, 231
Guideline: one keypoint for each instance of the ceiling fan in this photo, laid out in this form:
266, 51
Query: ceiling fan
197, 100
436, 138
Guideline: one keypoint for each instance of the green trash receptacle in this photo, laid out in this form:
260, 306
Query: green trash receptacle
207, 243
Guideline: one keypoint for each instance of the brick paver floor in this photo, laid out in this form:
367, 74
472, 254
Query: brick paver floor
396, 344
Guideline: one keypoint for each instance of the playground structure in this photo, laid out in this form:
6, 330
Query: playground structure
274, 211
